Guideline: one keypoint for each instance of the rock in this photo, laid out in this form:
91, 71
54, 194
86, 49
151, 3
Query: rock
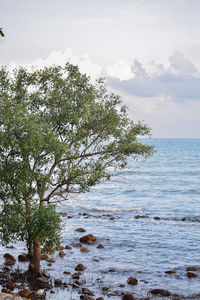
76, 276
191, 275
127, 296
87, 292
61, 253
68, 247
105, 288
51, 260
156, 218
59, 248
24, 293
84, 249
10, 262
23, 257
58, 282
112, 218
69, 217
10, 285
80, 229
170, 271
160, 292
88, 239
100, 298
49, 250
194, 268
141, 217
8, 256
49, 265
132, 281
112, 270
121, 285
62, 214
85, 297
6, 291
66, 273
10, 247
42, 283
52, 292
80, 267
100, 246
77, 245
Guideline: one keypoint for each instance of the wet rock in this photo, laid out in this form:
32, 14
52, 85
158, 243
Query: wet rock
76, 276
42, 283
132, 281
10, 285
100, 298
80, 267
58, 282
170, 271
157, 218
160, 292
59, 248
193, 268
49, 265
112, 270
67, 273
84, 249
70, 217
8, 256
88, 239
62, 214
44, 257
112, 218
52, 292
105, 288
80, 229
24, 293
77, 245
87, 292
10, 262
6, 291
121, 285
10, 247
68, 247
23, 257
61, 253
141, 217
51, 260
85, 297
127, 296
191, 275
100, 246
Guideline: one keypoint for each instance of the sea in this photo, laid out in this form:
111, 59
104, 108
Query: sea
147, 217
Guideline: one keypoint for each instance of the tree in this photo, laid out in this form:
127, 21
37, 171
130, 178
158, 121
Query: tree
59, 135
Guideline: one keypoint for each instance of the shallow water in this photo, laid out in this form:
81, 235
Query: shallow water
166, 186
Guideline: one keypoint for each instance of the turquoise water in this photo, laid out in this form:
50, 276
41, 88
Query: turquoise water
166, 186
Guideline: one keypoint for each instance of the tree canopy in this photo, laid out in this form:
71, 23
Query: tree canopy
59, 135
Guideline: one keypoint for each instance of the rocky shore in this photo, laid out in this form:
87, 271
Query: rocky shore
16, 285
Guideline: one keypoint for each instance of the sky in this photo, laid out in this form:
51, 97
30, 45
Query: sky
148, 51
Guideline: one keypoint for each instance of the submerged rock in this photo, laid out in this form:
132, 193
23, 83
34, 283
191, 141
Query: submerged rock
160, 292
132, 281
88, 239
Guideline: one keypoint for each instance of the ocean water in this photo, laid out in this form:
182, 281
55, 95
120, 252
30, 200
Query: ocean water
165, 186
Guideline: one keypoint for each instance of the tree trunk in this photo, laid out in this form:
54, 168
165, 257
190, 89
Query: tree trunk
34, 267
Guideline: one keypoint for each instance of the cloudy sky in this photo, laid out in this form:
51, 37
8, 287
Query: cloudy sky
148, 50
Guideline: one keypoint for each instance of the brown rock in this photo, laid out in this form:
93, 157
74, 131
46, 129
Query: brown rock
59, 248
25, 293
51, 260
10, 247
76, 276
6, 291
52, 292
100, 246
10, 262
68, 247
160, 292
194, 268
87, 292
88, 239
61, 253
112, 270
66, 273
84, 249
192, 275
77, 245
100, 298
127, 296
44, 257
85, 297
58, 282
156, 218
8, 256
42, 283
80, 229
105, 288
80, 267
132, 281
23, 257
141, 217
49, 265
10, 285
170, 271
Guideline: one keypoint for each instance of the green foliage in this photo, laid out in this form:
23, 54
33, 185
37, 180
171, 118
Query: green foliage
59, 135
1, 32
